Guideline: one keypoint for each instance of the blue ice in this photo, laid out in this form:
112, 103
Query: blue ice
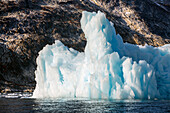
108, 69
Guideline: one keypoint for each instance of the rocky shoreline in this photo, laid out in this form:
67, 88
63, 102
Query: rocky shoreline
26, 26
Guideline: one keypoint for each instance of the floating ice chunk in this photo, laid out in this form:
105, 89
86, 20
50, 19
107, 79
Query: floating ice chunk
108, 68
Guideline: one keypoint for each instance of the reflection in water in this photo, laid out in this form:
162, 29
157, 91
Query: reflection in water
80, 105
16, 105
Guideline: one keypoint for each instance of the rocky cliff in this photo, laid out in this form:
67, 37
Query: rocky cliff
26, 26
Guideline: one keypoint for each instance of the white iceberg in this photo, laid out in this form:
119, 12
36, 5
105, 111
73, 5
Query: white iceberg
108, 69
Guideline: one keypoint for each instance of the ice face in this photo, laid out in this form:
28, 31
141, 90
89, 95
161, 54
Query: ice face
108, 69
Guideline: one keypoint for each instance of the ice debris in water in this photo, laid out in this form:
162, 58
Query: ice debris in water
108, 69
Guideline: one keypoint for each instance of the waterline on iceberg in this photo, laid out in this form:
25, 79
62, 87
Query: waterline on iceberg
108, 69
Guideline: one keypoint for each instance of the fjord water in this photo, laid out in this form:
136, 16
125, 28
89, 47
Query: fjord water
108, 69
80, 105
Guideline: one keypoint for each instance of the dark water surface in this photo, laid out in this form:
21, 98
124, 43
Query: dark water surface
28, 105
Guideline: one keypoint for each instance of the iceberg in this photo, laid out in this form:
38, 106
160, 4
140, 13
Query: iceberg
108, 69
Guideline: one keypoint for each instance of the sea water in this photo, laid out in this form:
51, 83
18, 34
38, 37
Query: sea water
28, 105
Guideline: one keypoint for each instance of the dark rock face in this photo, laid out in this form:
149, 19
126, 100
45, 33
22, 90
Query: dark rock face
26, 26
148, 20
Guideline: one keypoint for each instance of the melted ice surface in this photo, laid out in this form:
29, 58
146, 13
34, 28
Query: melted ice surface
108, 69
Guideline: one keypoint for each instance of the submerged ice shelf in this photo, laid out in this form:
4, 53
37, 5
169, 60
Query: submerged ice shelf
108, 69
